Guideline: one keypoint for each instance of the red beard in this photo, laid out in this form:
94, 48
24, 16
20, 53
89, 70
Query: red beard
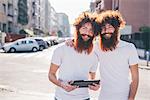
80, 45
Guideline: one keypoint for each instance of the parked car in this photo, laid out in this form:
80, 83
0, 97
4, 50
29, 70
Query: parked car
51, 40
60, 40
42, 44
21, 45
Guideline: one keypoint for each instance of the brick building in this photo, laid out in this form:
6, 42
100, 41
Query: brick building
135, 12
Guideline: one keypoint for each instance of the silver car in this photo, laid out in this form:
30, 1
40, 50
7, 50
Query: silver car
21, 45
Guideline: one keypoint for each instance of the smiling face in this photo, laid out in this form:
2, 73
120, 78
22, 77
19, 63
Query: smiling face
107, 31
110, 22
109, 37
84, 38
86, 31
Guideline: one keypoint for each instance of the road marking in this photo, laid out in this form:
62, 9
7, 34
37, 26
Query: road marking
18, 55
40, 71
36, 93
45, 53
39, 55
29, 55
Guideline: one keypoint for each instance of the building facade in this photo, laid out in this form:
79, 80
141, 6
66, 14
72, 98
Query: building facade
53, 22
64, 26
36, 22
3, 15
8, 16
135, 12
42, 17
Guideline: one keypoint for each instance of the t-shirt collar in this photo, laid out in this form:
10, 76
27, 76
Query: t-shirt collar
121, 43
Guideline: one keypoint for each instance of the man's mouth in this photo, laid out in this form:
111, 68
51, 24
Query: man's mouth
86, 35
107, 33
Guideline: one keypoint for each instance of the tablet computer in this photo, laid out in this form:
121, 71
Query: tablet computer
83, 83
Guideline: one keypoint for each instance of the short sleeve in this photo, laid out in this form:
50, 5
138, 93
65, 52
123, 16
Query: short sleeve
133, 55
94, 64
57, 56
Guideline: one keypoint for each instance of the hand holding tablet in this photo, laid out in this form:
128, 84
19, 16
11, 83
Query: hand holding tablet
83, 83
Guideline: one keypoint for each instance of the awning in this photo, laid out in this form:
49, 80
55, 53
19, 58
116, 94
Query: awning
29, 32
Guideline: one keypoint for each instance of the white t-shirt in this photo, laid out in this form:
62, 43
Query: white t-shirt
73, 66
114, 70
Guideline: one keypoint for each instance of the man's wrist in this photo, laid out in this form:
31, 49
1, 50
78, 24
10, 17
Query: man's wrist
131, 98
60, 83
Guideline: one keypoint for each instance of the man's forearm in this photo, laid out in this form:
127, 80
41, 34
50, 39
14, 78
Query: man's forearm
135, 81
92, 75
133, 88
54, 80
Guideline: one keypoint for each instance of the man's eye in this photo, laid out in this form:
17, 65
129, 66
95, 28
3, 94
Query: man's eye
83, 27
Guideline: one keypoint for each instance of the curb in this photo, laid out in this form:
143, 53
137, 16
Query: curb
143, 64
144, 67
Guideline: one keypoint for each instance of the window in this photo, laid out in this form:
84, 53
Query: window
10, 26
33, 4
4, 8
10, 10
38, 39
115, 5
23, 42
4, 27
30, 42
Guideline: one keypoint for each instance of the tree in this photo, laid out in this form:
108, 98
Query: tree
22, 12
60, 34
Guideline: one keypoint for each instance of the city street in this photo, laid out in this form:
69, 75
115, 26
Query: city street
24, 76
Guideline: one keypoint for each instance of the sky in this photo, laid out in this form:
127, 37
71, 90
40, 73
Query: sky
70, 7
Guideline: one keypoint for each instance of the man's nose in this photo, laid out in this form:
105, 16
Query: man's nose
89, 32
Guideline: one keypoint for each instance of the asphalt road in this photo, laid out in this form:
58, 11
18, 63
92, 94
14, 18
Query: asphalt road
24, 76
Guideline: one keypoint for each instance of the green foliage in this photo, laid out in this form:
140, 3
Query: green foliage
22, 12
60, 34
144, 29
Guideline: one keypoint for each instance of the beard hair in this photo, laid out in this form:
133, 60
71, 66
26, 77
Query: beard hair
109, 44
82, 45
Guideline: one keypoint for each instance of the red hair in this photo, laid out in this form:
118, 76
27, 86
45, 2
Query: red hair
79, 46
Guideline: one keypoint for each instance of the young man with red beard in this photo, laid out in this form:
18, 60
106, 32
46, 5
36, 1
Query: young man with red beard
118, 60
75, 63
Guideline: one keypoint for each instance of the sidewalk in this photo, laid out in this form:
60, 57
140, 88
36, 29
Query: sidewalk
143, 63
